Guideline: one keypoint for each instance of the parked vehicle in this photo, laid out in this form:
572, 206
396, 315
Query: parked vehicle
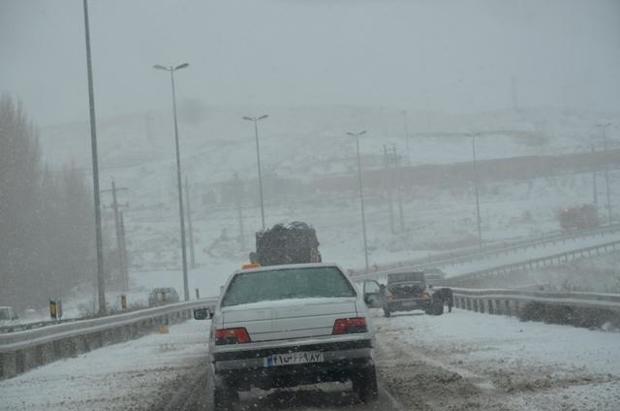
405, 291
163, 296
290, 325
578, 218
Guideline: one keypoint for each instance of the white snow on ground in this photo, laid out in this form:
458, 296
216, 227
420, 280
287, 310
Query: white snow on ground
527, 365
494, 338
124, 376
511, 365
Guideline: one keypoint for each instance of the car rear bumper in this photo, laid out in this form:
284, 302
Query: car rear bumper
408, 305
243, 369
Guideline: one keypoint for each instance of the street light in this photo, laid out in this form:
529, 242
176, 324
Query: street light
359, 176
260, 175
473, 147
95, 161
406, 125
608, 195
171, 70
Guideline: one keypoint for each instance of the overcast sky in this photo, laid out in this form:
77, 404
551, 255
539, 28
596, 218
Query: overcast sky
417, 54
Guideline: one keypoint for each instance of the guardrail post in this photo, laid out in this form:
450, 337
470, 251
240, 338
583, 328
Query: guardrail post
8, 364
516, 308
45, 353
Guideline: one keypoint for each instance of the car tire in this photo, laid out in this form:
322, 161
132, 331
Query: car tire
386, 312
365, 384
437, 307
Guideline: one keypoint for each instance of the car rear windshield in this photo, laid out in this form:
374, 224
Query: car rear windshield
311, 282
406, 277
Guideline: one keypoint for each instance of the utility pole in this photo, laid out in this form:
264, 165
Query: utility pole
238, 192
473, 146
361, 187
95, 161
122, 266
124, 252
399, 186
388, 186
192, 257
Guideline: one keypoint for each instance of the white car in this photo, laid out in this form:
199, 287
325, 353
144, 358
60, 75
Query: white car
289, 325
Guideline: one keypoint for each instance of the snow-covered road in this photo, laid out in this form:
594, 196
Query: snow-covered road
529, 253
137, 374
461, 360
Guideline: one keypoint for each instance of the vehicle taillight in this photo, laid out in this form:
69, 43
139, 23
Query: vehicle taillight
350, 326
232, 336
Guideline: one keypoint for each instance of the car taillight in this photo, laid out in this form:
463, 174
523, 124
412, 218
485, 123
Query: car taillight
350, 326
232, 336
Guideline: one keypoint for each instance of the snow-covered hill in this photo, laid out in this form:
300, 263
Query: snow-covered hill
137, 151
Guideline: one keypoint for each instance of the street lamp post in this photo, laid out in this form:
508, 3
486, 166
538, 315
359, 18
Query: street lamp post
406, 125
607, 193
171, 70
473, 147
255, 120
93, 140
361, 188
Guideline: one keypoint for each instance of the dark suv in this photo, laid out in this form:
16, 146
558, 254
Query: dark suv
405, 291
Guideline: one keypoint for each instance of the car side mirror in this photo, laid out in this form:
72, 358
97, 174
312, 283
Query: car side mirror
202, 314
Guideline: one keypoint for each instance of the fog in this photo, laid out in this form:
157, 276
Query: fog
456, 56
342, 190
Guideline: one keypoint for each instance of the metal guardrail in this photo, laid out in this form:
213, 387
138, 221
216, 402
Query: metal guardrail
533, 263
473, 254
33, 325
510, 302
23, 350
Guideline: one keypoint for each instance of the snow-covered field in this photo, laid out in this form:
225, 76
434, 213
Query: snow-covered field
462, 360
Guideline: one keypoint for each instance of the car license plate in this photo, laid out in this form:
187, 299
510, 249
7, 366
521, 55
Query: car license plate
409, 304
292, 358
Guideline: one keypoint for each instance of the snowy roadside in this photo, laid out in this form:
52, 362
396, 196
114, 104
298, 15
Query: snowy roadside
476, 361
136, 375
